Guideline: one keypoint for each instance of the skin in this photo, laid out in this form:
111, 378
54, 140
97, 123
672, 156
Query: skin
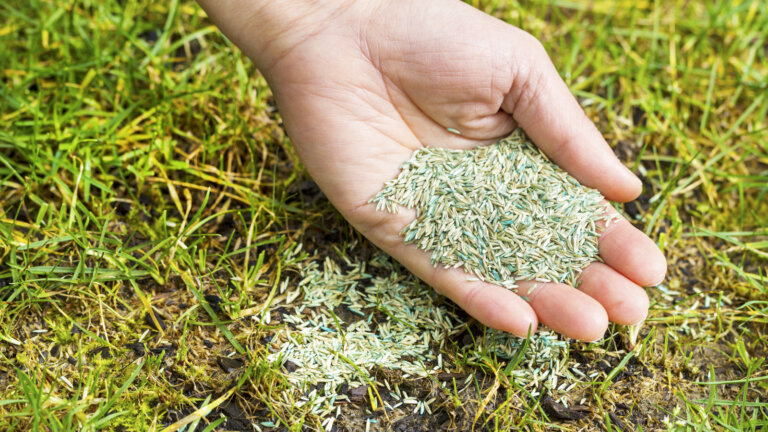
361, 84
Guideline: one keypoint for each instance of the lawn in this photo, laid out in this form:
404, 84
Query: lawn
154, 215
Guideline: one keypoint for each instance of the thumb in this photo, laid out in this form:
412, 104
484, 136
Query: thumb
541, 103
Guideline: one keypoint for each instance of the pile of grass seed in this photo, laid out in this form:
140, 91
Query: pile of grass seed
341, 325
503, 212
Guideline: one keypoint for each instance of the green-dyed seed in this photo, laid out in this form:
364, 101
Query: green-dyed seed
503, 212
408, 338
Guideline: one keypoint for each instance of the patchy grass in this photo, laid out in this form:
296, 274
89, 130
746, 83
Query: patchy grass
151, 203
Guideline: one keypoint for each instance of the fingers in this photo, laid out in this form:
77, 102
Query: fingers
566, 310
606, 292
603, 295
632, 253
562, 308
492, 305
624, 301
544, 107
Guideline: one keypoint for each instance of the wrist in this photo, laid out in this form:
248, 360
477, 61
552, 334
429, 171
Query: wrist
267, 30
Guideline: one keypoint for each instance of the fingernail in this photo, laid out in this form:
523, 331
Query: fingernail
639, 322
660, 280
634, 178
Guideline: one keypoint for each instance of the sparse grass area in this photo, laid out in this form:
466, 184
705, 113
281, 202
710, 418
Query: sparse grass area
151, 205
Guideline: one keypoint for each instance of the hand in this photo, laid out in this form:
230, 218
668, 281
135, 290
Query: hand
361, 85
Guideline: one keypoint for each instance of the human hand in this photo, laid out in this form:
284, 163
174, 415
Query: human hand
362, 84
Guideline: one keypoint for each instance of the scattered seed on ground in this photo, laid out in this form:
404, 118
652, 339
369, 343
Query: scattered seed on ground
393, 322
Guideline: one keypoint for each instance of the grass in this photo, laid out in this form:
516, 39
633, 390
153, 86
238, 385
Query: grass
151, 205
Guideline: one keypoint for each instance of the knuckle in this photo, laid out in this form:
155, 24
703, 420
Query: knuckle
533, 43
533, 290
471, 298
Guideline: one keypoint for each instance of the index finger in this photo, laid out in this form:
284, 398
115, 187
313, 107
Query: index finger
544, 107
